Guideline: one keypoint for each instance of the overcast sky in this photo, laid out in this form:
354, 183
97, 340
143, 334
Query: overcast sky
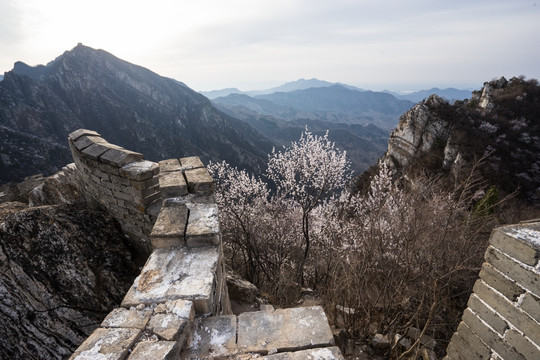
253, 44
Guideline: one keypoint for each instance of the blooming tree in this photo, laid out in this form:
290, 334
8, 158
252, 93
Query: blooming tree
306, 173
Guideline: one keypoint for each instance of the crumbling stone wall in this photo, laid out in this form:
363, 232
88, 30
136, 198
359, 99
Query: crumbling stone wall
502, 320
121, 181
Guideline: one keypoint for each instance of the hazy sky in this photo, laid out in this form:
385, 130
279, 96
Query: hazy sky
251, 44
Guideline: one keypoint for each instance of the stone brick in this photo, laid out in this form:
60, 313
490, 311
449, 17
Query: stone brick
213, 337
199, 181
191, 162
109, 169
327, 353
155, 350
531, 305
518, 241
169, 165
170, 226
498, 281
112, 343
284, 330
473, 342
508, 311
525, 277
147, 200
95, 150
145, 192
177, 273
144, 184
522, 345
486, 314
489, 337
120, 157
140, 170
124, 318
172, 184
80, 132
203, 225
169, 327
85, 141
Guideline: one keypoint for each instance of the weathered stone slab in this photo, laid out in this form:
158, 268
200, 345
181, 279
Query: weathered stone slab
199, 181
120, 157
155, 350
526, 348
107, 344
169, 229
191, 162
124, 318
140, 170
213, 336
169, 165
521, 242
486, 314
168, 326
85, 141
203, 225
327, 353
531, 305
95, 150
172, 184
177, 273
497, 280
284, 330
472, 342
80, 132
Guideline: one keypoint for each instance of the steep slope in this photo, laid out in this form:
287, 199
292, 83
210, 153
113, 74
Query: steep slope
128, 104
501, 121
63, 268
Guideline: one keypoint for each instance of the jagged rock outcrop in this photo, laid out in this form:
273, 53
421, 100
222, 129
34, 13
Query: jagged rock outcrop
500, 122
62, 266
128, 104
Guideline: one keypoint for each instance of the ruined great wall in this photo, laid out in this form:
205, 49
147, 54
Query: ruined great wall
178, 307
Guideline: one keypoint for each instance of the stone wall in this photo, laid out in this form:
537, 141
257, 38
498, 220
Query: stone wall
178, 307
502, 320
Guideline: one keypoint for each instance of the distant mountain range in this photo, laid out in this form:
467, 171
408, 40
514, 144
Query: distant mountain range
334, 104
449, 94
128, 104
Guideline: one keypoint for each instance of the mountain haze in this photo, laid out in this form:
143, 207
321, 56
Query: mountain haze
127, 104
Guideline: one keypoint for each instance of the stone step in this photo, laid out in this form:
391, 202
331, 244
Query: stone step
295, 333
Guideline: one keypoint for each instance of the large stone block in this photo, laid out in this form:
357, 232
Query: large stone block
108, 344
140, 170
327, 353
124, 318
80, 132
203, 225
486, 314
155, 350
177, 273
526, 277
473, 342
170, 226
94, 151
199, 181
525, 347
169, 165
531, 305
213, 337
522, 242
120, 157
85, 141
173, 320
172, 184
284, 330
191, 162
497, 280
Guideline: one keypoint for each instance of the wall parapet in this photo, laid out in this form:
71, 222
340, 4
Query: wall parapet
502, 320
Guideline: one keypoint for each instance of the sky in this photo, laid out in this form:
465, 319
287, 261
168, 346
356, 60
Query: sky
400, 45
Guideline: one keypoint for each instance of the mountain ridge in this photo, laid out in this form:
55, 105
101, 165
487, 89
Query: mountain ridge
129, 104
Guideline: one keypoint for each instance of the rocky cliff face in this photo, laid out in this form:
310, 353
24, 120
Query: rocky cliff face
63, 268
501, 121
129, 105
